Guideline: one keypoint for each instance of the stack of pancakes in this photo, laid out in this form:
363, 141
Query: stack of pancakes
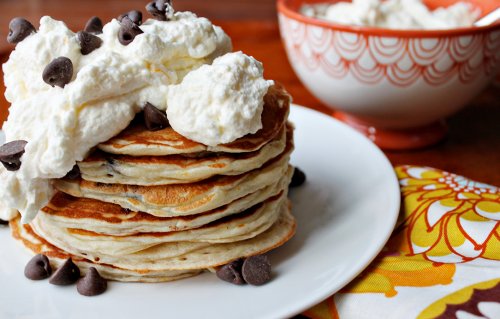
154, 206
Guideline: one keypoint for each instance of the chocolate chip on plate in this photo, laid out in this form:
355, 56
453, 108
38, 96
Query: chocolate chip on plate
154, 119
256, 270
88, 42
161, 9
92, 284
94, 25
67, 274
128, 31
10, 154
38, 268
19, 29
134, 15
74, 173
231, 272
58, 72
298, 178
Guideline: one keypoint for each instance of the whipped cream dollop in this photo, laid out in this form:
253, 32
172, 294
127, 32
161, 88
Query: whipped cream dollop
394, 14
220, 102
109, 86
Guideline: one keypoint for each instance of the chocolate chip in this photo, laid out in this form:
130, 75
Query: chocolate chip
256, 270
19, 29
58, 72
92, 284
298, 177
67, 274
161, 9
134, 15
231, 272
154, 119
94, 25
10, 154
74, 173
4, 222
38, 268
128, 31
88, 42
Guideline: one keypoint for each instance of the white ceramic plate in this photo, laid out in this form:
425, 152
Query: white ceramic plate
345, 212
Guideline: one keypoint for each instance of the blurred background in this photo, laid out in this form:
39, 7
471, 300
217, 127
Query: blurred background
76, 12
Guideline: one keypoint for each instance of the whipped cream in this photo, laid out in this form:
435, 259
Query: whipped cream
394, 14
109, 86
221, 102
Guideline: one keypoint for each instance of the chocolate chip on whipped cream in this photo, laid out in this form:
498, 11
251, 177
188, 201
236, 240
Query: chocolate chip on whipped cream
92, 284
134, 15
231, 272
58, 72
38, 268
65, 275
154, 119
88, 42
256, 270
128, 31
161, 9
94, 26
19, 29
4, 222
10, 154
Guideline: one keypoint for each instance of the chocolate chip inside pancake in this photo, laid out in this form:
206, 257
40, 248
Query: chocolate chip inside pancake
298, 178
19, 29
231, 272
10, 154
58, 72
38, 268
256, 270
94, 25
88, 42
128, 31
67, 274
74, 173
92, 284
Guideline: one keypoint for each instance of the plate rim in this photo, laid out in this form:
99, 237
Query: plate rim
319, 297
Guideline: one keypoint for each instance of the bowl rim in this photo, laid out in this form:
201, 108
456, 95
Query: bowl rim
285, 9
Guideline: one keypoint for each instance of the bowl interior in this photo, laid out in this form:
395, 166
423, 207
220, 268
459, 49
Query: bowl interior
485, 6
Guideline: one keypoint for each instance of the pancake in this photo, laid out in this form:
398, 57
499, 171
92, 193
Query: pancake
237, 227
67, 211
38, 245
181, 199
150, 265
173, 169
136, 140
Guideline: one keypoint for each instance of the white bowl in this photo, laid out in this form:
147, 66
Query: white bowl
390, 84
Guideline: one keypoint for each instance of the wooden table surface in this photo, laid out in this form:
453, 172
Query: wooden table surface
472, 147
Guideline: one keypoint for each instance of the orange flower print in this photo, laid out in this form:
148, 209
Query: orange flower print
448, 218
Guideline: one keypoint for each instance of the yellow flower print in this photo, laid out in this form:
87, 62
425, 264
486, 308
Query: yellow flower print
449, 219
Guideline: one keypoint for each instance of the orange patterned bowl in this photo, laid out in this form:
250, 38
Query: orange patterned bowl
396, 86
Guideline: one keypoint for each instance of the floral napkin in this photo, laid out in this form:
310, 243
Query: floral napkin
442, 260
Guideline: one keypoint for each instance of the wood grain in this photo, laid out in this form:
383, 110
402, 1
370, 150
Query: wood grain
472, 148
